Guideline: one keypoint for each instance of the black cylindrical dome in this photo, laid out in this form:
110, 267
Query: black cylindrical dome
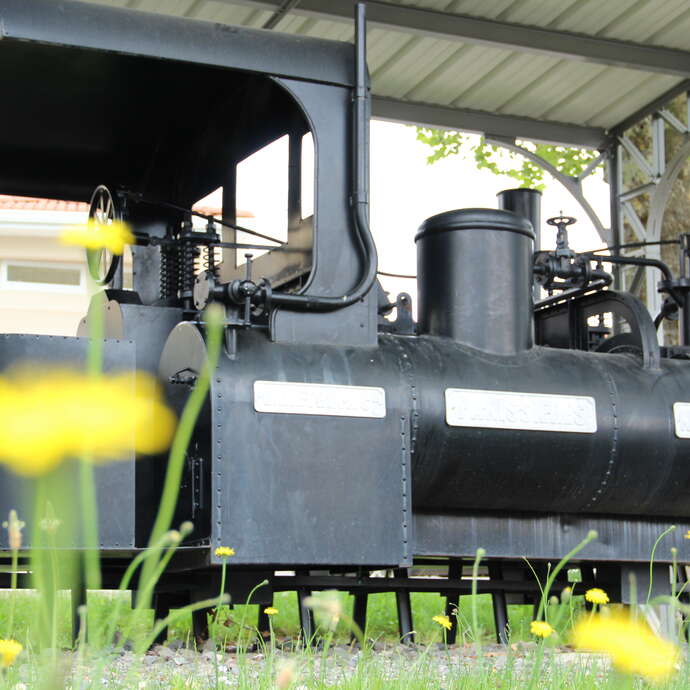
474, 279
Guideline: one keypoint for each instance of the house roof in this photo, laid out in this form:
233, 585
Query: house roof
28, 203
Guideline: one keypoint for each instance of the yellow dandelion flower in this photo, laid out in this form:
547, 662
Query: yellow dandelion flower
443, 621
541, 629
94, 235
632, 646
224, 552
687, 534
47, 416
9, 650
270, 611
597, 596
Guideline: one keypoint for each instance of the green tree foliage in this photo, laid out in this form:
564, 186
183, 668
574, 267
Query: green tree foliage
500, 161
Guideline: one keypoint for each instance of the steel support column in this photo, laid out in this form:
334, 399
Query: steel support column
660, 173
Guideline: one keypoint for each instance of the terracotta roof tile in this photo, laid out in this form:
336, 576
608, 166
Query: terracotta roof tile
218, 212
28, 203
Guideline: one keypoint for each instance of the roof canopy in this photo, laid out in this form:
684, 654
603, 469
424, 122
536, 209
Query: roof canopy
567, 71
95, 95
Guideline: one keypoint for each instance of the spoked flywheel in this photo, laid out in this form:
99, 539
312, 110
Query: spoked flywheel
104, 209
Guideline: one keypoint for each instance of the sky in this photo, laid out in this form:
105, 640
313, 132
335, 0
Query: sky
405, 190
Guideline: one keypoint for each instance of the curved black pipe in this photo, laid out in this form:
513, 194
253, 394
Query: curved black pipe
360, 193
633, 261
641, 261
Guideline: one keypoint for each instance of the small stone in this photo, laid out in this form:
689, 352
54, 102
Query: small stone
165, 652
209, 646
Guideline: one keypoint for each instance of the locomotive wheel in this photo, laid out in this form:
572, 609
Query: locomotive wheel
104, 209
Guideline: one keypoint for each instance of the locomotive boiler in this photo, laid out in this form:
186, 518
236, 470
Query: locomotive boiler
335, 439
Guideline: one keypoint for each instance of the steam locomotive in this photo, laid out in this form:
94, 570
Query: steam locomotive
337, 440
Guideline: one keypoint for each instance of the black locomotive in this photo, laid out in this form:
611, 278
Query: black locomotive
336, 441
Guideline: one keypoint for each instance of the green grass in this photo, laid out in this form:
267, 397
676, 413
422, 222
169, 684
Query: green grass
431, 667
382, 624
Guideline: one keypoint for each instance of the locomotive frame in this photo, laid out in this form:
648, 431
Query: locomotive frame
159, 152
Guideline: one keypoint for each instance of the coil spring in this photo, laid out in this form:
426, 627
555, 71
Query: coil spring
210, 259
169, 274
187, 273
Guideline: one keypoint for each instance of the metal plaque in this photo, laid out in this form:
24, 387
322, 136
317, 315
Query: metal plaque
525, 411
319, 399
681, 419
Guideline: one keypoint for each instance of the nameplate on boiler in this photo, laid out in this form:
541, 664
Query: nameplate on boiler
681, 419
319, 399
525, 411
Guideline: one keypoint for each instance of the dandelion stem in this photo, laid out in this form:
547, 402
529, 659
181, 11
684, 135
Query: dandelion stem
222, 591
215, 618
534, 572
13, 586
81, 646
591, 536
180, 613
263, 583
89, 507
127, 578
56, 589
94, 353
38, 569
87, 488
475, 619
145, 592
183, 434
651, 559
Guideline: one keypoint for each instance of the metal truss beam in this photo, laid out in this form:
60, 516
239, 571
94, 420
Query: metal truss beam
467, 120
572, 184
468, 29
649, 109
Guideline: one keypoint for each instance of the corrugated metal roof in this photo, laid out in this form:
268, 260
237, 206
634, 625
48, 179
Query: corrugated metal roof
415, 61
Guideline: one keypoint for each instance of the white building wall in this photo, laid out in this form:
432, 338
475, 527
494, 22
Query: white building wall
31, 239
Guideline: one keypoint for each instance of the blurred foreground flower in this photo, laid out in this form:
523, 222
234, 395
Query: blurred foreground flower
597, 596
329, 605
632, 646
94, 235
9, 650
286, 675
47, 416
541, 629
443, 621
270, 611
14, 527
